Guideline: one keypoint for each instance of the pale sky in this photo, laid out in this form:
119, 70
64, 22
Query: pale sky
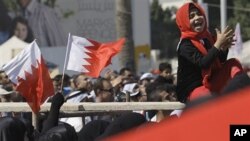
170, 3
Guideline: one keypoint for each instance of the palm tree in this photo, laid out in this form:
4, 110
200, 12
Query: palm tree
124, 29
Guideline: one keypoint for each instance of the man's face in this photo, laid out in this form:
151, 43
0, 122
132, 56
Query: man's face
107, 93
128, 74
57, 85
167, 73
165, 96
3, 78
83, 82
127, 77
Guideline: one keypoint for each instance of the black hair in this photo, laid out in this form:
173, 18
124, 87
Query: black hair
62, 132
66, 79
12, 129
92, 130
59, 77
99, 84
155, 93
123, 123
150, 88
240, 81
122, 70
164, 66
21, 20
29, 128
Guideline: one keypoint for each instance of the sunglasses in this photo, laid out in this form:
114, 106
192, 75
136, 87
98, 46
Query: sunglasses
109, 90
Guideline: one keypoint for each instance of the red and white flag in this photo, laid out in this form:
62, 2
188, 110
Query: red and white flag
235, 50
30, 75
89, 56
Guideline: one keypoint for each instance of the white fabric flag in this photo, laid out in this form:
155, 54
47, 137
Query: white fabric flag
78, 53
29, 57
30, 75
235, 50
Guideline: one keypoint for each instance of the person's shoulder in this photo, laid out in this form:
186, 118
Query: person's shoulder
185, 42
45, 9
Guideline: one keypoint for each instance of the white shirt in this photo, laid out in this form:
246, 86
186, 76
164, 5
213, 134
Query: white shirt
76, 122
176, 112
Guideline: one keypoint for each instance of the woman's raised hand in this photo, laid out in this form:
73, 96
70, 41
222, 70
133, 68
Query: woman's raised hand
224, 38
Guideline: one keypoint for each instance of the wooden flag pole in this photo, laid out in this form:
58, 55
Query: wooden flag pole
35, 120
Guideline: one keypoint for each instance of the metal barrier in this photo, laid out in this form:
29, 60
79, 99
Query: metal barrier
82, 109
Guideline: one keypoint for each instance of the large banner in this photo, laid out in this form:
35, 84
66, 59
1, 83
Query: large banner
93, 19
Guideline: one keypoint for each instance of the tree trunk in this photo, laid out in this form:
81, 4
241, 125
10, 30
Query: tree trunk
124, 29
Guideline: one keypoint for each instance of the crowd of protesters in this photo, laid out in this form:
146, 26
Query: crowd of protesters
202, 70
112, 87
124, 86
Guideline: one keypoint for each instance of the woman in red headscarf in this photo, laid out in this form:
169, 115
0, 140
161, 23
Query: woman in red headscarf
202, 64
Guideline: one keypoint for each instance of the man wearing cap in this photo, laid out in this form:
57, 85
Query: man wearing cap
146, 78
134, 93
133, 90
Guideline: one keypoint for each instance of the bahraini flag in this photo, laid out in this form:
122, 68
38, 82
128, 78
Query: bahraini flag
89, 56
30, 75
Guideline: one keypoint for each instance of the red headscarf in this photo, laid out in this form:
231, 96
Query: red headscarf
183, 22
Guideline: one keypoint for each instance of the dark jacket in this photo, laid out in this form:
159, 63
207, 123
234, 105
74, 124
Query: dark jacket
162, 80
11, 129
92, 130
190, 65
122, 124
